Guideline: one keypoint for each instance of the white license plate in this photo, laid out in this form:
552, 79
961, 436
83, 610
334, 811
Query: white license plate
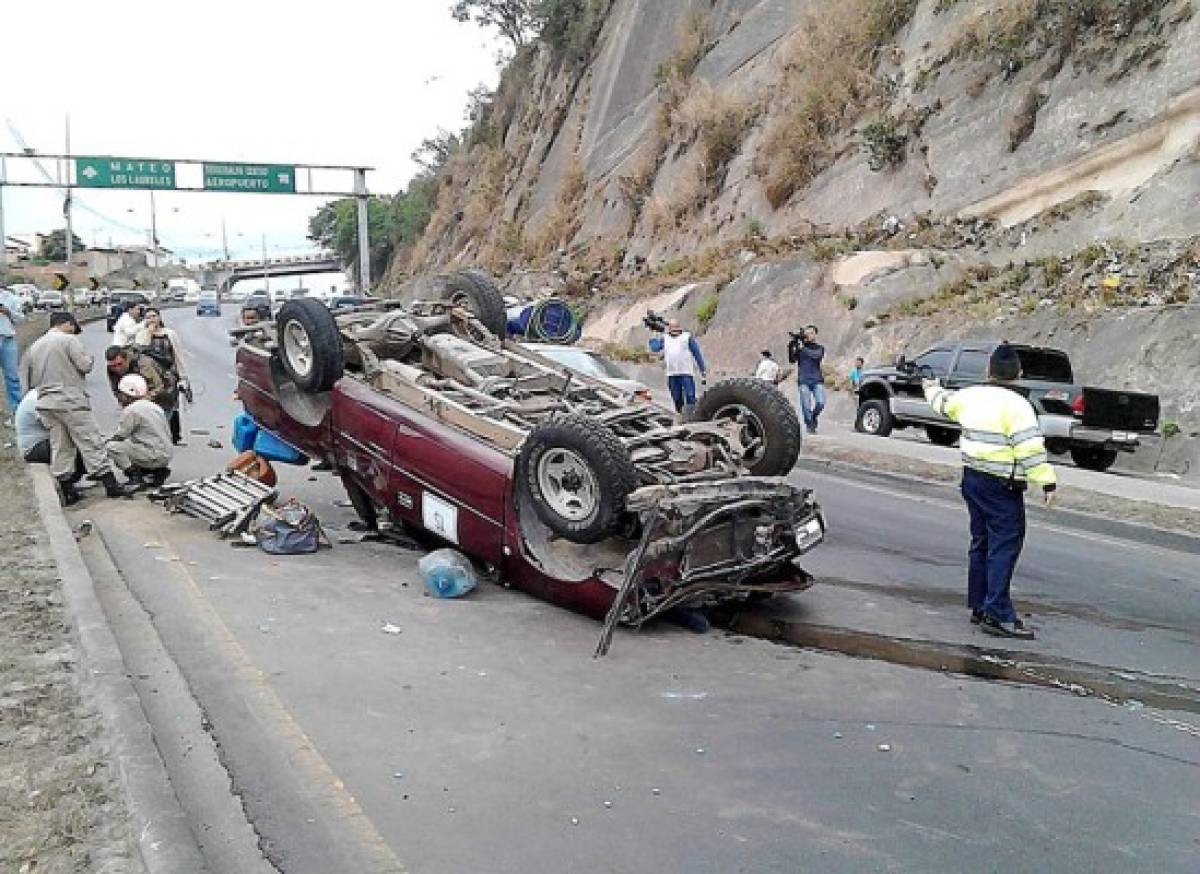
1123, 436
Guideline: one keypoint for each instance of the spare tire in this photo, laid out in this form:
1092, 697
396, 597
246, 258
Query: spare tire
770, 427
578, 475
475, 291
310, 346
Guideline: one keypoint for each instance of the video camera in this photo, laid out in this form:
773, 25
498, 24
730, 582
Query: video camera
654, 322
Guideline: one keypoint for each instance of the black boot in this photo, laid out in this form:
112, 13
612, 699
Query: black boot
114, 489
66, 488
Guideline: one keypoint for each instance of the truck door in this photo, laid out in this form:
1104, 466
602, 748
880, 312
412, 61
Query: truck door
909, 402
970, 368
364, 435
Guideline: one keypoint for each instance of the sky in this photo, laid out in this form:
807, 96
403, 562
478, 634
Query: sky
352, 82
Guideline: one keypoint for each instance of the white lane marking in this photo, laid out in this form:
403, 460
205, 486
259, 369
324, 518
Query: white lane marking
1044, 526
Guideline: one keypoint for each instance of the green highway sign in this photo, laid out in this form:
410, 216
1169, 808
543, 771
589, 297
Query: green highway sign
263, 178
124, 173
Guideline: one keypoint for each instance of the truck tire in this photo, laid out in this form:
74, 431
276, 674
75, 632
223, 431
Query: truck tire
1093, 459
769, 424
310, 346
874, 417
940, 436
578, 475
475, 291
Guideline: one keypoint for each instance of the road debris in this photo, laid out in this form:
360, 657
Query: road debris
389, 628
290, 529
447, 573
884, 748
229, 502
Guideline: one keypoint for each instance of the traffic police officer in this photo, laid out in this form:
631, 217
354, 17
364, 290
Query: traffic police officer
1003, 452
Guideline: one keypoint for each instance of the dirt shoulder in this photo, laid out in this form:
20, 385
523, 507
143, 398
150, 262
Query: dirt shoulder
1174, 519
61, 803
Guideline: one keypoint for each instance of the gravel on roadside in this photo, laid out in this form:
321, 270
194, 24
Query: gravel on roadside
61, 803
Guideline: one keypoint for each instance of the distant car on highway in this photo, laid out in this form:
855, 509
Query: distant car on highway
208, 305
84, 297
27, 293
191, 295
346, 301
49, 300
592, 364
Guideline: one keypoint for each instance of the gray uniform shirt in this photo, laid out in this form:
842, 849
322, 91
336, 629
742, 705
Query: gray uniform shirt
57, 365
144, 424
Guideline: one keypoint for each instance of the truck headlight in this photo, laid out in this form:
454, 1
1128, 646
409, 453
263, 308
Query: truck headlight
810, 534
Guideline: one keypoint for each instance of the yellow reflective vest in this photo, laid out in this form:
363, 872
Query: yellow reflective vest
1000, 431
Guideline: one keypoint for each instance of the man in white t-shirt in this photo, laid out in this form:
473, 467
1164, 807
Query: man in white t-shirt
767, 370
681, 354
128, 325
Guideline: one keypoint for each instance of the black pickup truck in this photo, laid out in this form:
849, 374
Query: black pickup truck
1092, 424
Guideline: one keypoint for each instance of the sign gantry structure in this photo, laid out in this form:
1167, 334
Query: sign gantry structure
163, 174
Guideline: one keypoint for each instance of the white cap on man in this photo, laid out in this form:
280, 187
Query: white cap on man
133, 385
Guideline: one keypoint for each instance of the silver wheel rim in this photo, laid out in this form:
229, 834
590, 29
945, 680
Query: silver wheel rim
567, 484
298, 348
750, 430
870, 421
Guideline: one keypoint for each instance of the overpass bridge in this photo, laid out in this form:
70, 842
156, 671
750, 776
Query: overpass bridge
223, 274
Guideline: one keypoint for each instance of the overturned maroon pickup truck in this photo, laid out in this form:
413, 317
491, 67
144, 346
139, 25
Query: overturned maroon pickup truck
566, 487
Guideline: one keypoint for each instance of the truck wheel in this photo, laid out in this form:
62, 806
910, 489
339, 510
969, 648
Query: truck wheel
769, 427
578, 475
1093, 459
874, 417
475, 291
310, 346
940, 436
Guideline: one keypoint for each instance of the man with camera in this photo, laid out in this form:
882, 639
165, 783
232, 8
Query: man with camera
681, 354
807, 354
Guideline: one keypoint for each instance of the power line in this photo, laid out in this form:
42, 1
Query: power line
79, 204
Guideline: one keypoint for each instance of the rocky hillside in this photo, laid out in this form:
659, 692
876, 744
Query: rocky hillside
892, 170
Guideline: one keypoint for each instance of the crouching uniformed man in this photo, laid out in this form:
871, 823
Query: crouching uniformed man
1003, 452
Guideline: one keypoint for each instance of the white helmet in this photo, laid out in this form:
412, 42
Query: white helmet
133, 385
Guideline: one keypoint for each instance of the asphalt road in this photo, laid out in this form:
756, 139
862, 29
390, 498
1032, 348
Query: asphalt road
483, 737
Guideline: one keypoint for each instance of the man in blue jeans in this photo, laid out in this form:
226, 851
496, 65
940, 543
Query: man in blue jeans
11, 314
807, 354
681, 354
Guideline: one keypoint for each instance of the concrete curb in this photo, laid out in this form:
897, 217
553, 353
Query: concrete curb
161, 830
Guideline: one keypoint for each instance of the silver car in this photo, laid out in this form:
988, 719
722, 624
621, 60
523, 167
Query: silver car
592, 364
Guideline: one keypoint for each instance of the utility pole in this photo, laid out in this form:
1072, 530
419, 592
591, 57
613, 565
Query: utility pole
364, 243
67, 213
266, 267
154, 244
224, 239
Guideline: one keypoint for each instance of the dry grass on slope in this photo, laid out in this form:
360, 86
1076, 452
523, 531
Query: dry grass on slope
827, 81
